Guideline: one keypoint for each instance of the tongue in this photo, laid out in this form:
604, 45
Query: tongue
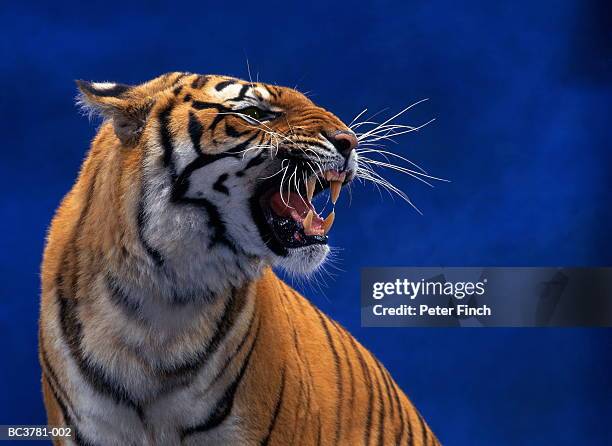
297, 207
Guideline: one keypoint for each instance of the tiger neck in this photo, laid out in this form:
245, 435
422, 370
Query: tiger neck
183, 296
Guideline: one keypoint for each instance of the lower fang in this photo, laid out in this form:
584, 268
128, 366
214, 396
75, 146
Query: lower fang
329, 221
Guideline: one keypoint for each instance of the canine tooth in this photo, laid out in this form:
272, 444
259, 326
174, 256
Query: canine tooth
335, 187
310, 187
328, 222
307, 223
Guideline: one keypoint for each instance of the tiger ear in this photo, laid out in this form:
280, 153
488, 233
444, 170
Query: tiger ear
119, 103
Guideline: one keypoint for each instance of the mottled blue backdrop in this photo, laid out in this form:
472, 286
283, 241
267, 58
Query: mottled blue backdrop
522, 93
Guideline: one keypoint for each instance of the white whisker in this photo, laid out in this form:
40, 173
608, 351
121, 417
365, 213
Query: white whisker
384, 153
357, 117
396, 116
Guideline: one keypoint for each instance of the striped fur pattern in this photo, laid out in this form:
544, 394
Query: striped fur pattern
161, 321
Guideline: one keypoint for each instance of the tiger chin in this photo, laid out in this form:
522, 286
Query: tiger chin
161, 320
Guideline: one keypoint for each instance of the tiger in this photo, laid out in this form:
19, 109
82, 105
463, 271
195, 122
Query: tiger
161, 319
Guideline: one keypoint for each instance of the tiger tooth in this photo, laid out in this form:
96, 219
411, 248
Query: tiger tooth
335, 187
328, 222
310, 187
307, 223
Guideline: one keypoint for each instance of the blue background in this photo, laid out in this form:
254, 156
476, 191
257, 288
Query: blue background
522, 93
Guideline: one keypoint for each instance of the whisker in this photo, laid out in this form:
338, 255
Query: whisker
388, 136
386, 152
273, 175
405, 170
397, 115
374, 115
357, 117
375, 178
280, 190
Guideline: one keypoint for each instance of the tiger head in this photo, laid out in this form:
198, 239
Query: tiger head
229, 169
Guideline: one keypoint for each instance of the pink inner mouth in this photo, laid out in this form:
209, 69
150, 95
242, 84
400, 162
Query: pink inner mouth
295, 206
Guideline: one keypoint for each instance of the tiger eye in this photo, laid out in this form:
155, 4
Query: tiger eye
253, 112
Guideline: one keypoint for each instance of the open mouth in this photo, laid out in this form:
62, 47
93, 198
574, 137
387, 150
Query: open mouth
286, 217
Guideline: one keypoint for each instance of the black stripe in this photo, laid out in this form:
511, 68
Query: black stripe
368, 382
233, 133
219, 235
231, 311
270, 90
77, 437
93, 373
381, 411
302, 382
308, 408
180, 188
181, 185
166, 137
308, 378
141, 221
58, 391
410, 438
239, 148
387, 386
191, 297
219, 186
177, 90
351, 398
388, 395
195, 132
223, 84
224, 405
279, 401
255, 161
238, 349
424, 432
339, 386
296, 416
400, 409
199, 105
241, 94
129, 306
140, 228
216, 120
199, 82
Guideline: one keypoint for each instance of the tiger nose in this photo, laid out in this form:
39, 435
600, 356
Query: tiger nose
344, 142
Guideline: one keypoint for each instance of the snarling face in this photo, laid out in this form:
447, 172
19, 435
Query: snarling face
231, 167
